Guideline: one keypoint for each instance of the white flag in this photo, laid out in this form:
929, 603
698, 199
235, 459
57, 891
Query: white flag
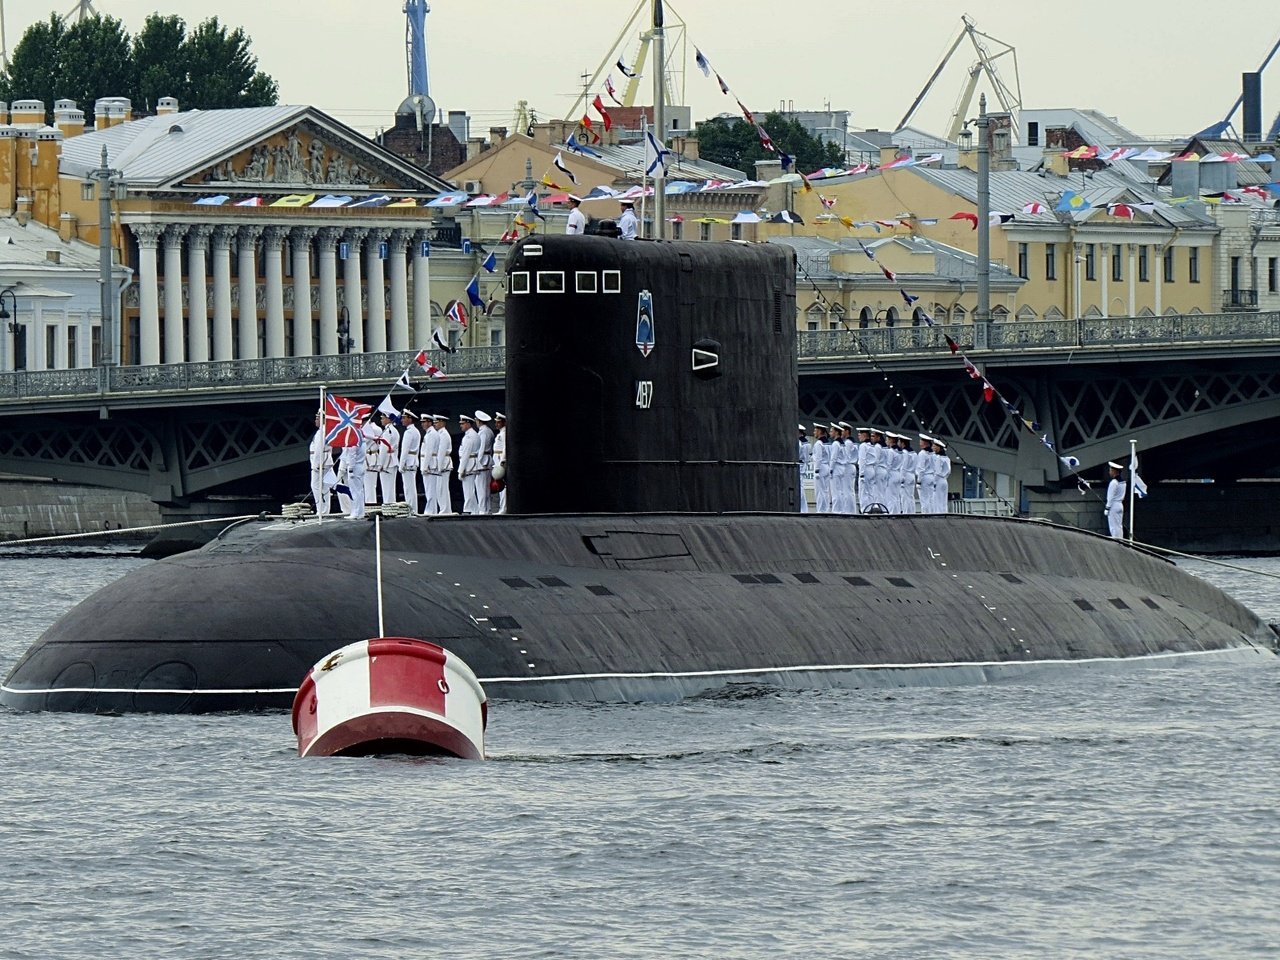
1139, 485
656, 157
387, 407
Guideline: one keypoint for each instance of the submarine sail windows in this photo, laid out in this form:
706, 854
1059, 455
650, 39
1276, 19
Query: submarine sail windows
612, 281
520, 281
584, 281
551, 281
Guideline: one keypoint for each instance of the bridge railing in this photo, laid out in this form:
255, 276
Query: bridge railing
813, 346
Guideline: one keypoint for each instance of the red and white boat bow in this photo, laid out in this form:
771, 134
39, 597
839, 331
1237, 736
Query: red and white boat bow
390, 695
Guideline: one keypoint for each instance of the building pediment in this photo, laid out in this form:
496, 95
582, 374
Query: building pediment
301, 156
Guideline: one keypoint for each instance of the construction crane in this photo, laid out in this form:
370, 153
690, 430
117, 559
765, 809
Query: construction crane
1009, 98
82, 9
677, 55
415, 42
1217, 130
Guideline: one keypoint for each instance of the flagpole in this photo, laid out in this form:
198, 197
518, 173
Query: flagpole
659, 120
644, 173
319, 512
1133, 459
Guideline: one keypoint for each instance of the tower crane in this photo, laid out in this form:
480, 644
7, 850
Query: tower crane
1216, 130
1009, 98
82, 9
674, 73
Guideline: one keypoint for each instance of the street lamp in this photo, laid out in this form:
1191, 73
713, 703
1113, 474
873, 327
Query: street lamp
14, 326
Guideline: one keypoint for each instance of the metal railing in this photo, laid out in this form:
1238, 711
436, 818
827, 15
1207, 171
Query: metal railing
813, 347
1239, 299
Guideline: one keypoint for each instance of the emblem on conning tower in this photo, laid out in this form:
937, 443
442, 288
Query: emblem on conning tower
644, 323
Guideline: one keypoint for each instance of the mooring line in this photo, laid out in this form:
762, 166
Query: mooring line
125, 530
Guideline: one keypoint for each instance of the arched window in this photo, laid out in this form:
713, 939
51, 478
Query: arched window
917, 317
498, 325
864, 317
891, 316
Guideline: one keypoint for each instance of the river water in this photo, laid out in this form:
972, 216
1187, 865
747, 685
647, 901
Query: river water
1082, 815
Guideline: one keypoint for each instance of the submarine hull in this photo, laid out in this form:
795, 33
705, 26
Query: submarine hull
630, 608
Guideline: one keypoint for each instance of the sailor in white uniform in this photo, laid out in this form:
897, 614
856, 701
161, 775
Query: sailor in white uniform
802, 460
1114, 510
484, 475
627, 223
444, 453
468, 462
410, 450
942, 474
321, 465
577, 222
372, 433
889, 459
500, 458
924, 475
840, 469
389, 457
875, 472
354, 463
866, 465
819, 457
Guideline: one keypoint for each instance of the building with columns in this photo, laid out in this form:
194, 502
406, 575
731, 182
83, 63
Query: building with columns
247, 233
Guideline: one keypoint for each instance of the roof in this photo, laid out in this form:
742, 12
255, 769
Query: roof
1012, 189
29, 246
630, 159
813, 257
162, 150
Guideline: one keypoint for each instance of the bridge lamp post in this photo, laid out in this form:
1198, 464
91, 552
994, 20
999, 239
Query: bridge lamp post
345, 342
12, 318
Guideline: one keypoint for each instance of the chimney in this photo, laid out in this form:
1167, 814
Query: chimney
47, 194
497, 135
24, 161
111, 111
767, 170
68, 228
67, 118
28, 113
1251, 92
685, 147
1055, 161
23, 213
8, 172
166, 106
460, 125
4, 112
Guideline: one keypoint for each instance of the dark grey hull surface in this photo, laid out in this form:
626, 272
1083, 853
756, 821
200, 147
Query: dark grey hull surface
630, 607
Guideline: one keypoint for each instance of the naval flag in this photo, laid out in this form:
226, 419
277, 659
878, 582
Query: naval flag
656, 157
342, 420
1139, 485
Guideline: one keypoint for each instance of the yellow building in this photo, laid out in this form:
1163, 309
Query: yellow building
249, 233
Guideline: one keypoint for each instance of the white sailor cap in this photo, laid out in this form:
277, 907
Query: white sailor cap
819, 426
891, 435
1114, 465
463, 416
499, 415
845, 426
482, 416
409, 413
926, 438
864, 430
939, 443
439, 416
803, 427
877, 431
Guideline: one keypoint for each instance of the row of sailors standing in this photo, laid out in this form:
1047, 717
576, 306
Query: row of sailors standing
879, 472
401, 463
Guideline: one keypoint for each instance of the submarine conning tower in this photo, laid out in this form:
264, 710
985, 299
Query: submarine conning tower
650, 376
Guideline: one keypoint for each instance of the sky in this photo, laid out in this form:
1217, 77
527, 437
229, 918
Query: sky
1160, 66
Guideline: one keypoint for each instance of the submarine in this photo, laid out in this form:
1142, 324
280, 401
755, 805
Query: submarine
653, 550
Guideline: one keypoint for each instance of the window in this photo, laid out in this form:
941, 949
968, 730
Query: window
1144, 265
704, 231
1193, 264
1168, 265
496, 333
1273, 274
50, 347
677, 230
811, 324
1117, 262
1051, 261
1090, 262
735, 231
1033, 134
1022, 261
95, 346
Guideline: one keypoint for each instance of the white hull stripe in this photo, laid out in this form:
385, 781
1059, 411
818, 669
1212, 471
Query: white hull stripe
746, 671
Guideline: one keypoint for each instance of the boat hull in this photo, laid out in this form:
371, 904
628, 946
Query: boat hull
632, 607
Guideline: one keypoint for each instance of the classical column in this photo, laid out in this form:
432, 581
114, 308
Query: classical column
399, 290
354, 239
421, 288
1157, 266
247, 274
222, 329
376, 327
174, 339
326, 244
197, 293
300, 237
272, 253
1104, 294
148, 235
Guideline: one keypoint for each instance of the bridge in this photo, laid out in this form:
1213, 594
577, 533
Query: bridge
1197, 392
